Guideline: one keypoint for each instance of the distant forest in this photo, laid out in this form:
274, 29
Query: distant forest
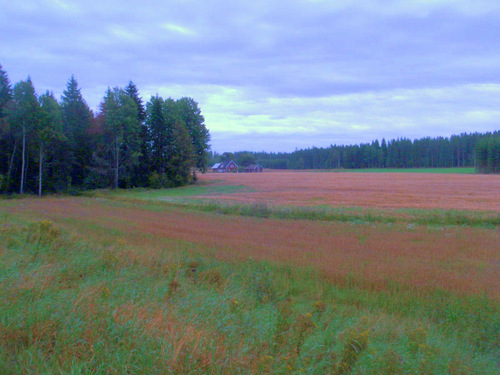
48, 145
481, 151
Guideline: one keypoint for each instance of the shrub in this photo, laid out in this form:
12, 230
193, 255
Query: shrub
355, 344
212, 277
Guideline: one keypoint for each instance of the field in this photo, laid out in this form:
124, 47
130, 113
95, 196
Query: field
280, 272
369, 190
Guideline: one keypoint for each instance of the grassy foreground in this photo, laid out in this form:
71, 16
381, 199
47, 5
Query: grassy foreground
71, 306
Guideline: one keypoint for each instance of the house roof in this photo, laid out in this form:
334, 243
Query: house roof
223, 165
253, 166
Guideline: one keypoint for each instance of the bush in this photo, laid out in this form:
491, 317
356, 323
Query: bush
96, 180
159, 181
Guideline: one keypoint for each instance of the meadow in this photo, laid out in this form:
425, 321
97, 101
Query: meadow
284, 272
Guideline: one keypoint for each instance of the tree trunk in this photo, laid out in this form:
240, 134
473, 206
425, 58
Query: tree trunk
10, 163
23, 158
40, 169
27, 168
117, 163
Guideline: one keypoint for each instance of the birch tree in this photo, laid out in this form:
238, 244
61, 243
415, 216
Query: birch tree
23, 115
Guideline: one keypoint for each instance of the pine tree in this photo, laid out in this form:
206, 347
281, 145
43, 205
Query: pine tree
76, 122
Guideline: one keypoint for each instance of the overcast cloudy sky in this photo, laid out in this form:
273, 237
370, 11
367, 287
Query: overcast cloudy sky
274, 75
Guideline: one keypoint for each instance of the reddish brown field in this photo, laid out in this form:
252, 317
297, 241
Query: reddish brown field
377, 190
457, 259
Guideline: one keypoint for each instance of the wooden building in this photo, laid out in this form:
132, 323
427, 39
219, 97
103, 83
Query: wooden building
254, 168
225, 167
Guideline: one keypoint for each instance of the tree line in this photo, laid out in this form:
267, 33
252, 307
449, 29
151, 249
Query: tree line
479, 150
48, 145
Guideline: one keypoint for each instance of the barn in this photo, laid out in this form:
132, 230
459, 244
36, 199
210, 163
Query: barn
217, 168
254, 168
225, 167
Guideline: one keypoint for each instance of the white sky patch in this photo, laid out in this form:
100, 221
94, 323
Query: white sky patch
125, 34
420, 8
67, 6
178, 29
354, 117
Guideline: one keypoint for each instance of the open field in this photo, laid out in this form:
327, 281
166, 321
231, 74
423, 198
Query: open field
146, 282
461, 170
384, 190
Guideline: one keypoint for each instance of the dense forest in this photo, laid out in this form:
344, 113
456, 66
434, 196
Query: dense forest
48, 145
465, 150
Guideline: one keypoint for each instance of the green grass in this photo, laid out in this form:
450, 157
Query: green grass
74, 306
437, 217
173, 193
166, 199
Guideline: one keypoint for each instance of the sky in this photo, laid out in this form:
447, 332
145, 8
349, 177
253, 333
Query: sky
274, 75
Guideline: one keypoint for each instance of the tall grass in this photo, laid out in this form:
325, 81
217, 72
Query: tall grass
70, 305
435, 217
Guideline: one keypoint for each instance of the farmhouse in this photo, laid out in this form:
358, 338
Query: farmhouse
225, 167
254, 168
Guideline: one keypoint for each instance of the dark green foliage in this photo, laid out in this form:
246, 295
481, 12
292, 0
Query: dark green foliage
158, 132
140, 175
6, 136
488, 154
5, 91
49, 130
245, 159
171, 149
456, 151
190, 115
76, 152
132, 91
47, 146
122, 133
23, 115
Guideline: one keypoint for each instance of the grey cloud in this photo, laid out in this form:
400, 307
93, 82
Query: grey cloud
267, 49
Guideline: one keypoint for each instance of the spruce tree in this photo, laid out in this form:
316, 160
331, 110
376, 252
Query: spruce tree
5, 91
141, 172
7, 140
158, 135
76, 123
